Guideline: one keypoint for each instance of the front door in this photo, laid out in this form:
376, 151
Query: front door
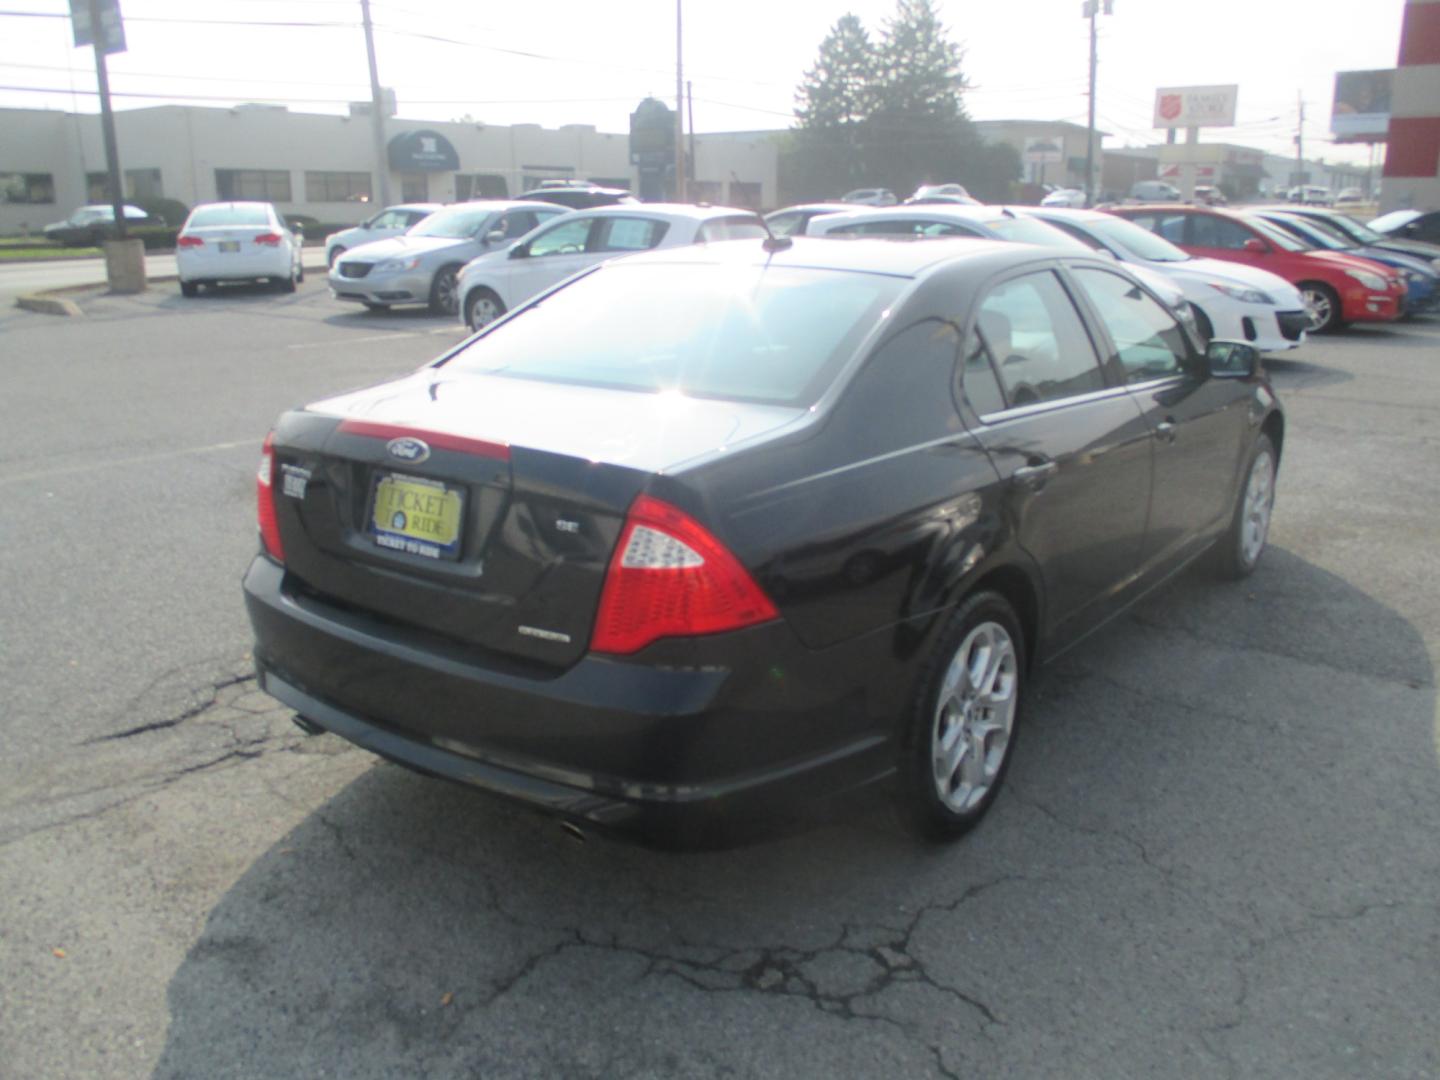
1199, 423
1071, 447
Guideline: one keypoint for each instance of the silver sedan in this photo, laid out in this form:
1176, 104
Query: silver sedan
420, 267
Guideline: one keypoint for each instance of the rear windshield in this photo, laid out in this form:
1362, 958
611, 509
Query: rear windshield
775, 335
453, 224
1030, 231
1131, 237
228, 215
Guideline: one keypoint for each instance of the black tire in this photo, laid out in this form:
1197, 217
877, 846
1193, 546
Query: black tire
475, 306
443, 300
1323, 303
189, 288
1236, 553
334, 254
947, 702
1203, 324
285, 284
299, 273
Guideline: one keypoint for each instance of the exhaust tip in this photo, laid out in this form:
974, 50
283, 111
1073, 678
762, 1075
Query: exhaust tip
574, 832
308, 726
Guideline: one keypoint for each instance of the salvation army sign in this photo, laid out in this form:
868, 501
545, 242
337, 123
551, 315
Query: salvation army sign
423, 151
1195, 106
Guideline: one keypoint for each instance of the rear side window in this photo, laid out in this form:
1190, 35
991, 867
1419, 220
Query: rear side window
746, 333
1037, 342
1170, 226
204, 216
903, 227
1149, 343
629, 234
515, 224
1217, 232
733, 228
790, 224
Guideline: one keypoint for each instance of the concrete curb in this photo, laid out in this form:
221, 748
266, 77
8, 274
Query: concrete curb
48, 305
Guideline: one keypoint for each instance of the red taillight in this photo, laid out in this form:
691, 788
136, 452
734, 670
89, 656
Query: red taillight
189, 242
265, 501
669, 577
269, 239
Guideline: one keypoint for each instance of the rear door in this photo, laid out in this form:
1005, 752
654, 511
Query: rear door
1069, 442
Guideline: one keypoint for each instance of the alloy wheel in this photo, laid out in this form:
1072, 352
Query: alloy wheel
1259, 502
974, 717
1319, 308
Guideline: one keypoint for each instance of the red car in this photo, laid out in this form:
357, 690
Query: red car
1337, 288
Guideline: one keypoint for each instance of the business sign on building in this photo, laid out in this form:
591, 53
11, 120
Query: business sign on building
1044, 150
423, 151
1195, 106
1361, 112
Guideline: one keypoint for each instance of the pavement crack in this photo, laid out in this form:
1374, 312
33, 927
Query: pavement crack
197, 709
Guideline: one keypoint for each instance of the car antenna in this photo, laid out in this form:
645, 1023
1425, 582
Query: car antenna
773, 243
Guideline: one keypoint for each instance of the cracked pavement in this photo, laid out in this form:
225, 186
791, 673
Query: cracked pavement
1215, 857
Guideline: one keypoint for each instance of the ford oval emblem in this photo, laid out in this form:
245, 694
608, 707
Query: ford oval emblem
409, 449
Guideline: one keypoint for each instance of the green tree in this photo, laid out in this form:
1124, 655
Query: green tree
833, 106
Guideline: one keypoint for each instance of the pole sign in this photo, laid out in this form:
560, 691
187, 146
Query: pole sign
1361, 112
1195, 106
112, 30
1043, 150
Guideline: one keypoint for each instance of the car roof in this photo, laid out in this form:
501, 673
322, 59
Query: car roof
232, 202
834, 204
956, 211
671, 211
499, 204
432, 206
897, 258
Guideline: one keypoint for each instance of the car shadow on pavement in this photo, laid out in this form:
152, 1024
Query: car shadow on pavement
390, 318
1180, 874
1288, 373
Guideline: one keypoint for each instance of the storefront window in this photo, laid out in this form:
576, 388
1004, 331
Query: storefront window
337, 186
264, 185
414, 187
27, 187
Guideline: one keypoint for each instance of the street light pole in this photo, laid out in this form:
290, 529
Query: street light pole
1092, 11
377, 107
107, 124
679, 111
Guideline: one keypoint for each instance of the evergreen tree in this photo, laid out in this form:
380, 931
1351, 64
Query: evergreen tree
833, 106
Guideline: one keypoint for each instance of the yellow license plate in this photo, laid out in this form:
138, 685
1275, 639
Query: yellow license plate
416, 516
229, 245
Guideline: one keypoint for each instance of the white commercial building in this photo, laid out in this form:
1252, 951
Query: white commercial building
324, 166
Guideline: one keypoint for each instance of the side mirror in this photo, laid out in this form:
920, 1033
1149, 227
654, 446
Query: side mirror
520, 251
1232, 360
1256, 247
298, 229
494, 236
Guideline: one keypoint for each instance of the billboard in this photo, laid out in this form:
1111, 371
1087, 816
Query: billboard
1361, 112
1195, 106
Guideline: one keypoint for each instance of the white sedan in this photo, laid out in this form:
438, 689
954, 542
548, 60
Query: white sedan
1231, 301
237, 241
392, 221
497, 281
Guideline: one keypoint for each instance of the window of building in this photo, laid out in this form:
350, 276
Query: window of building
18, 187
337, 186
705, 191
414, 187
144, 184
262, 185
745, 193
480, 186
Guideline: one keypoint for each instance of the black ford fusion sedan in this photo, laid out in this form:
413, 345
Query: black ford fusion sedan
702, 536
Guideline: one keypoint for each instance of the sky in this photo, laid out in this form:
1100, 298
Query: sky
566, 61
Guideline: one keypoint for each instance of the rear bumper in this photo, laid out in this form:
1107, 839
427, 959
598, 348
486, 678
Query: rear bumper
672, 755
240, 266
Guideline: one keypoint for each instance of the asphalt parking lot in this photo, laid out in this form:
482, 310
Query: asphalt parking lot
1216, 854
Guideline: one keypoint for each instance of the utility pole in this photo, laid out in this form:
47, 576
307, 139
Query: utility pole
690, 123
107, 123
1300, 142
679, 111
1091, 9
377, 108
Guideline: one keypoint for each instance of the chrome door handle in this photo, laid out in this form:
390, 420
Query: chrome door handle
1165, 431
1034, 477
